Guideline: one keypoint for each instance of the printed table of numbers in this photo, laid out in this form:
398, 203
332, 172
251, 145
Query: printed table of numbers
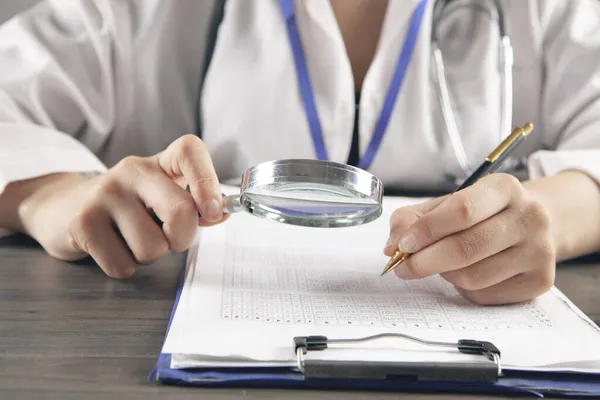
298, 296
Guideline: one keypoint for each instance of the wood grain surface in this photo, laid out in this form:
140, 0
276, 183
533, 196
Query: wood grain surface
68, 332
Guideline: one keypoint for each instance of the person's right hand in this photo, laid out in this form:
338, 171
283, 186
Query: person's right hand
109, 216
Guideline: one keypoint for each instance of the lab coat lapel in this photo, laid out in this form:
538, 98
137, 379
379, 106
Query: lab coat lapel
330, 73
409, 142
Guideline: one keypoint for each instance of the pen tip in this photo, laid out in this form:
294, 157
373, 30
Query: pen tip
527, 128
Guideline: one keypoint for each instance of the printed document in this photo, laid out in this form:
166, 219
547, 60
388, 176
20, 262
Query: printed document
252, 285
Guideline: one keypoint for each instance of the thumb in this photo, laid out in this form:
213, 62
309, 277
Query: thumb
403, 218
188, 158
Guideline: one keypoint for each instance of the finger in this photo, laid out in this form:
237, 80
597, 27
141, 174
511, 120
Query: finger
204, 223
93, 232
404, 217
173, 206
189, 157
490, 271
519, 288
461, 211
465, 248
535, 273
143, 236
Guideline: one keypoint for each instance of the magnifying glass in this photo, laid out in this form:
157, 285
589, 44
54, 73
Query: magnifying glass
310, 193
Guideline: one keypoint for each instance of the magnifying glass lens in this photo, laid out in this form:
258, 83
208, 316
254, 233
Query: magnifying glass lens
311, 204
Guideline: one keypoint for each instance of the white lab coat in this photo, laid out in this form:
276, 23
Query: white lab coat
84, 83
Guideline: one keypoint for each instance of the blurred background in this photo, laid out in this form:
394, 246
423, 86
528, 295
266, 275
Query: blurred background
8, 8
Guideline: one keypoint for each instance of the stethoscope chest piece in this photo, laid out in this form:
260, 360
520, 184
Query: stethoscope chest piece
505, 56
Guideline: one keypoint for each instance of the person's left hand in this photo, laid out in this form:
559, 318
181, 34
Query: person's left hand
492, 241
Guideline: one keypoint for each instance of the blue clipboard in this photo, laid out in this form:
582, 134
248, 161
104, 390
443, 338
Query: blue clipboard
539, 384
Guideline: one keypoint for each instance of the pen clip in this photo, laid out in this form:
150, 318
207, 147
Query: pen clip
507, 143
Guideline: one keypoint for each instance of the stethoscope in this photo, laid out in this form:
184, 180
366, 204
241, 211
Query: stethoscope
506, 63
319, 193
439, 8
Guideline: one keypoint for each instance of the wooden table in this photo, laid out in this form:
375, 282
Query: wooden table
69, 332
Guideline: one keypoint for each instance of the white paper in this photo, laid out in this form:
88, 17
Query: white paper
252, 285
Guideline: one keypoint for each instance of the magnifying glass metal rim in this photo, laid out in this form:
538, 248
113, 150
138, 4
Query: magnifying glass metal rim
335, 175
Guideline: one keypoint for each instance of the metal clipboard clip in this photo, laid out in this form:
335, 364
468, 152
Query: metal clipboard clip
488, 370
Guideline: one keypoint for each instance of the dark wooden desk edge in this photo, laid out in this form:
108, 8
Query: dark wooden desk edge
45, 352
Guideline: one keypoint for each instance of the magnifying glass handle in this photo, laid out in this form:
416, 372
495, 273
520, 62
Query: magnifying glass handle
231, 203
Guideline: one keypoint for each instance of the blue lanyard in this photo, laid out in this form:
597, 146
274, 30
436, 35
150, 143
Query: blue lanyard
306, 91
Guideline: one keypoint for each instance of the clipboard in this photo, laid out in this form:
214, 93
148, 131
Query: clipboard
486, 376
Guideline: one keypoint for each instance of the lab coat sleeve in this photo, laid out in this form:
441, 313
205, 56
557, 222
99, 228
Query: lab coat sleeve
570, 110
62, 65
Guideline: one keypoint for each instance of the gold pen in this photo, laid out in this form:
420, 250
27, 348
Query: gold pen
490, 165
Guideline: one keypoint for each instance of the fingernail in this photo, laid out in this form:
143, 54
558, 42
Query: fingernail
213, 211
407, 243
